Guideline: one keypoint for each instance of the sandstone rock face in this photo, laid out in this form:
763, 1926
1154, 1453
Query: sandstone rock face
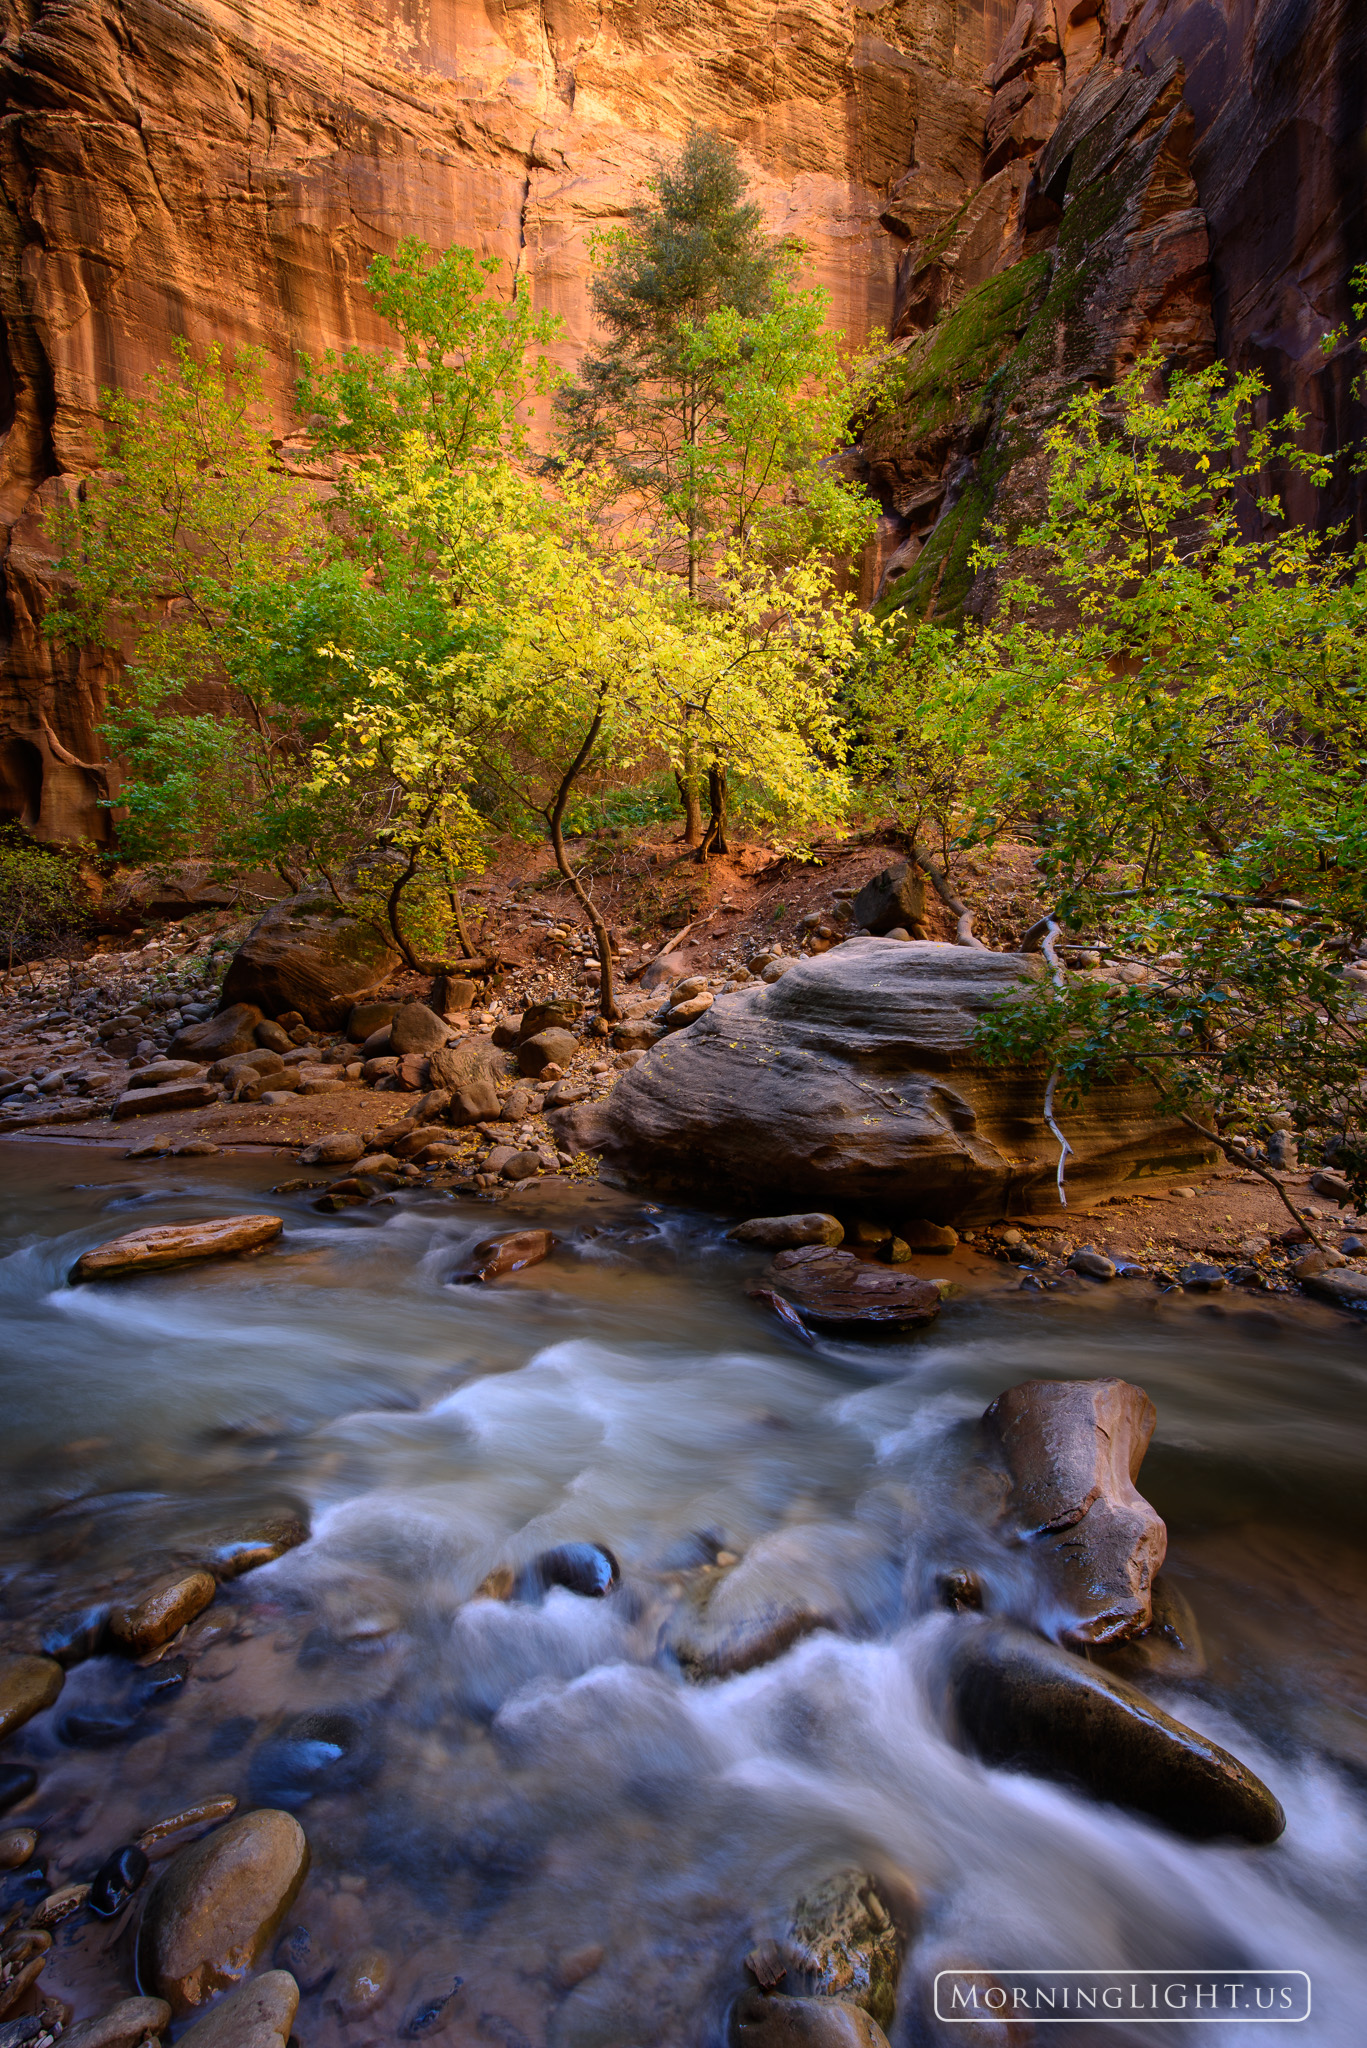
1074, 1449
174, 1244
307, 954
855, 1080
214, 1911
1029, 1705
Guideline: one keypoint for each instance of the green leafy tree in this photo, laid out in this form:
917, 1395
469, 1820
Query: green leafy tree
41, 911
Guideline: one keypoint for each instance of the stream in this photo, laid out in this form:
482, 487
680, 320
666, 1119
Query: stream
529, 1795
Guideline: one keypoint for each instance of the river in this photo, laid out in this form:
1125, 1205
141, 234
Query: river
528, 1794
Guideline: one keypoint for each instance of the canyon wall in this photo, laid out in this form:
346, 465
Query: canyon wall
1029, 191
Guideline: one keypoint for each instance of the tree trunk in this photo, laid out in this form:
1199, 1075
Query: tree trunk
392, 907
714, 838
691, 800
554, 819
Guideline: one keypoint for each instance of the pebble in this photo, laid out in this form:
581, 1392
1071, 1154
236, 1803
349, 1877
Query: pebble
16, 1847
27, 1685
218, 1806
363, 1981
584, 1568
115, 1882
214, 1910
1092, 1264
59, 1905
146, 1624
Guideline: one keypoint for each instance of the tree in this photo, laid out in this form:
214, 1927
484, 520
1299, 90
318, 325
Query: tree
40, 910
1176, 714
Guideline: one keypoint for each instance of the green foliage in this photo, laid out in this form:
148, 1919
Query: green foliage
1176, 715
41, 907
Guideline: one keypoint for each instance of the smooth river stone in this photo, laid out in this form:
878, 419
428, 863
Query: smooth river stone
171, 1244
147, 1623
1026, 1704
123, 2026
27, 1685
256, 2015
760, 2022
214, 1911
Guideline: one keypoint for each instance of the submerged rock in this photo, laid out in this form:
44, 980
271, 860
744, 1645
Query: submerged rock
173, 1244
1169, 1648
125, 2025
27, 1685
789, 1584
588, 1569
837, 1290
1073, 1449
256, 2015
1029, 1705
145, 1624
760, 2021
495, 1256
846, 1944
116, 1880
214, 1911
315, 1753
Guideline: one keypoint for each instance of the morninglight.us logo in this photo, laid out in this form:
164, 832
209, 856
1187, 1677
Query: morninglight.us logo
1129, 1997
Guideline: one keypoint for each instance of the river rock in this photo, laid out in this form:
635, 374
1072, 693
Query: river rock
338, 1148
365, 1019
125, 2025
215, 1909
858, 1080
308, 954
561, 1014
495, 1256
836, 1290
203, 1813
1335, 1187
172, 1244
785, 1233
893, 900
789, 1584
1345, 1288
1168, 1650
415, 1028
1027, 1704
553, 1047
588, 1569
27, 1685
259, 1061
469, 1072
158, 1071
256, 2015
232, 1030
363, 1981
171, 1095
116, 1880
265, 1538
637, 1034
16, 1847
846, 1944
758, 2021
1092, 1265
313, 1754
1073, 1449
148, 1622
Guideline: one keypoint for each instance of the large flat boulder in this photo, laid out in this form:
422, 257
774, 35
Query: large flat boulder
856, 1080
175, 1244
309, 954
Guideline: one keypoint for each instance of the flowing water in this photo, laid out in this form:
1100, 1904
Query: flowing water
529, 1794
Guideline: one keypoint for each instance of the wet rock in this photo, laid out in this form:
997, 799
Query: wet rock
892, 900
415, 1028
554, 1047
217, 1807
125, 2025
416, 1138
23, 1958
59, 1905
172, 1244
171, 1095
588, 1569
1314, 1263
16, 1847
1169, 1648
27, 1685
845, 1943
836, 1290
1200, 1278
430, 2014
299, 1952
785, 1233
232, 1030
1027, 1704
306, 954
71, 1638
363, 1981
338, 1148
314, 1754
1092, 1265
758, 2021
1073, 1450
148, 1622
214, 1911
1345, 1288
262, 1542
116, 1880
496, 1256
256, 2015
789, 1584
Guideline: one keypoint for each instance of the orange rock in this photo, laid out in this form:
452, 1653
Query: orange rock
172, 1244
148, 1623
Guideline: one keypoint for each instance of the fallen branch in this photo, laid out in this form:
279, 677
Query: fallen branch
1051, 931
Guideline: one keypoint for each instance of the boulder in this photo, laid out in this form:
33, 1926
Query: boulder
232, 1030
147, 1622
837, 1290
789, 1584
637, 1034
170, 1095
338, 1148
310, 955
216, 1907
159, 1071
892, 900
758, 2021
1345, 1288
125, 2025
262, 1060
1073, 1449
499, 1255
172, 1244
857, 1080
918, 1235
552, 1047
688, 1012
561, 1015
469, 1073
256, 2015
784, 1233
453, 995
1028, 1705
415, 1028
368, 1018
27, 1685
